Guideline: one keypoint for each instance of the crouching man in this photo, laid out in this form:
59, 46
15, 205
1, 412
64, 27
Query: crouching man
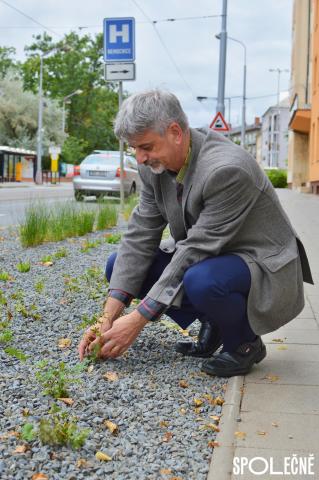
233, 261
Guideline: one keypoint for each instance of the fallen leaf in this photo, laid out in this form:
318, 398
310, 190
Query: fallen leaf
103, 457
90, 368
240, 434
165, 471
82, 463
164, 424
167, 437
210, 426
46, 264
39, 476
182, 411
111, 376
198, 410
112, 427
25, 412
278, 340
272, 378
275, 424
64, 342
208, 397
183, 384
213, 444
282, 347
11, 433
67, 401
184, 332
261, 432
198, 402
21, 449
219, 401
215, 417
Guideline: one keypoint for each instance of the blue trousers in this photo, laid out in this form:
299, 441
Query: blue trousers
215, 289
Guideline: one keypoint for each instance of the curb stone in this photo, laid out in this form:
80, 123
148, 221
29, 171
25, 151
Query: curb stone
221, 464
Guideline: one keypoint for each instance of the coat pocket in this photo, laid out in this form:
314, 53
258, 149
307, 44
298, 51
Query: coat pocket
280, 259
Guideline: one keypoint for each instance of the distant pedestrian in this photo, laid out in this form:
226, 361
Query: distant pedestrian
234, 262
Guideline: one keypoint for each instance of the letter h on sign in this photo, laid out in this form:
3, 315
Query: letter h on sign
119, 40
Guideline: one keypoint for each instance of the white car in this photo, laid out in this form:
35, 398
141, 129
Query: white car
99, 175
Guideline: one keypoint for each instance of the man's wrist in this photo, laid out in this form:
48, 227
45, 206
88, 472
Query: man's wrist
139, 318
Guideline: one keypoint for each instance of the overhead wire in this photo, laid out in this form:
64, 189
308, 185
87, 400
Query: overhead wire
30, 18
166, 49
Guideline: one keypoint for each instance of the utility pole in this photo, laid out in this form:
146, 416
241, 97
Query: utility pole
222, 62
121, 153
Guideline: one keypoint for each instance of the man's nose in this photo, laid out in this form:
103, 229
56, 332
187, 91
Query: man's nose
141, 157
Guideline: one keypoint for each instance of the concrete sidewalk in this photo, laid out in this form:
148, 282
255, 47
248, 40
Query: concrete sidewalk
64, 183
273, 412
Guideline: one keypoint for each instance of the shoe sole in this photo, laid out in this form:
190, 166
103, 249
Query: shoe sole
232, 373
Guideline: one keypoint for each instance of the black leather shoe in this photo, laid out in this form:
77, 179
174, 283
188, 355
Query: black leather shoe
209, 340
239, 362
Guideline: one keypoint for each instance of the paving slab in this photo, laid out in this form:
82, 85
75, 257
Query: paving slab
287, 353
299, 323
273, 430
298, 399
292, 336
271, 371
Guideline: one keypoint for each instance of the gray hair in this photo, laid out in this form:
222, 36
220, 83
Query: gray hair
150, 110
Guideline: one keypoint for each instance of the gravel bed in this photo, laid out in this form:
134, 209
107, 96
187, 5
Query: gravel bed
162, 432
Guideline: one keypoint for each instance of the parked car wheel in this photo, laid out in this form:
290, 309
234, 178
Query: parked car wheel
132, 189
79, 197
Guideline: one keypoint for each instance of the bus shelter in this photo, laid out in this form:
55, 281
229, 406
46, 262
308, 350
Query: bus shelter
16, 164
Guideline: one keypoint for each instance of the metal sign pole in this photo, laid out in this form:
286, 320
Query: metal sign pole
121, 154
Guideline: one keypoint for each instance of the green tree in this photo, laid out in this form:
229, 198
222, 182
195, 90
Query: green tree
76, 63
19, 117
6, 62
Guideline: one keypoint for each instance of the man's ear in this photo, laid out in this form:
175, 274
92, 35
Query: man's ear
175, 132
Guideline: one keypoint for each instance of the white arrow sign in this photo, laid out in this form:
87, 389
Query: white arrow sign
115, 72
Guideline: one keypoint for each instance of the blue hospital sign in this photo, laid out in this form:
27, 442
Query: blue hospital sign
119, 39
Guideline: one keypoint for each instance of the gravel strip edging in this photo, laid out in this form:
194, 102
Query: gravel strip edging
221, 465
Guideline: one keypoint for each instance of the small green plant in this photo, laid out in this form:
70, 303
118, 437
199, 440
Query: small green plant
4, 276
89, 244
28, 432
34, 229
14, 352
46, 258
6, 336
18, 295
57, 379
23, 267
107, 216
57, 429
87, 321
27, 312
39, 286
113, 238
129, 205
61, 253
71, 284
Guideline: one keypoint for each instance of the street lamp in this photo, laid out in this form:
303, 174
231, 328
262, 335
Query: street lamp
38, 176
243, 118
65, 100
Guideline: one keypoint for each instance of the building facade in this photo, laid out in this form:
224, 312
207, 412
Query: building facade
314, 120
252, 138
274, 146
300, 96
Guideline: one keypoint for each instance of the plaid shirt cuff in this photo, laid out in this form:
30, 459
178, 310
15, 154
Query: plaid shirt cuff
122, 296
151, 309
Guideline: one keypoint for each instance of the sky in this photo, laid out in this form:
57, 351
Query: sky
181, 56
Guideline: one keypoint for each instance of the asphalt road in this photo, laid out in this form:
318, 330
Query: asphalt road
13, 201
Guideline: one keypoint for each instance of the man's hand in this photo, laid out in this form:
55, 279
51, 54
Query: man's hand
116, 340
93, 334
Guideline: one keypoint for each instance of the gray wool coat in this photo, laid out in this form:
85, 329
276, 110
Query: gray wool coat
228, 206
